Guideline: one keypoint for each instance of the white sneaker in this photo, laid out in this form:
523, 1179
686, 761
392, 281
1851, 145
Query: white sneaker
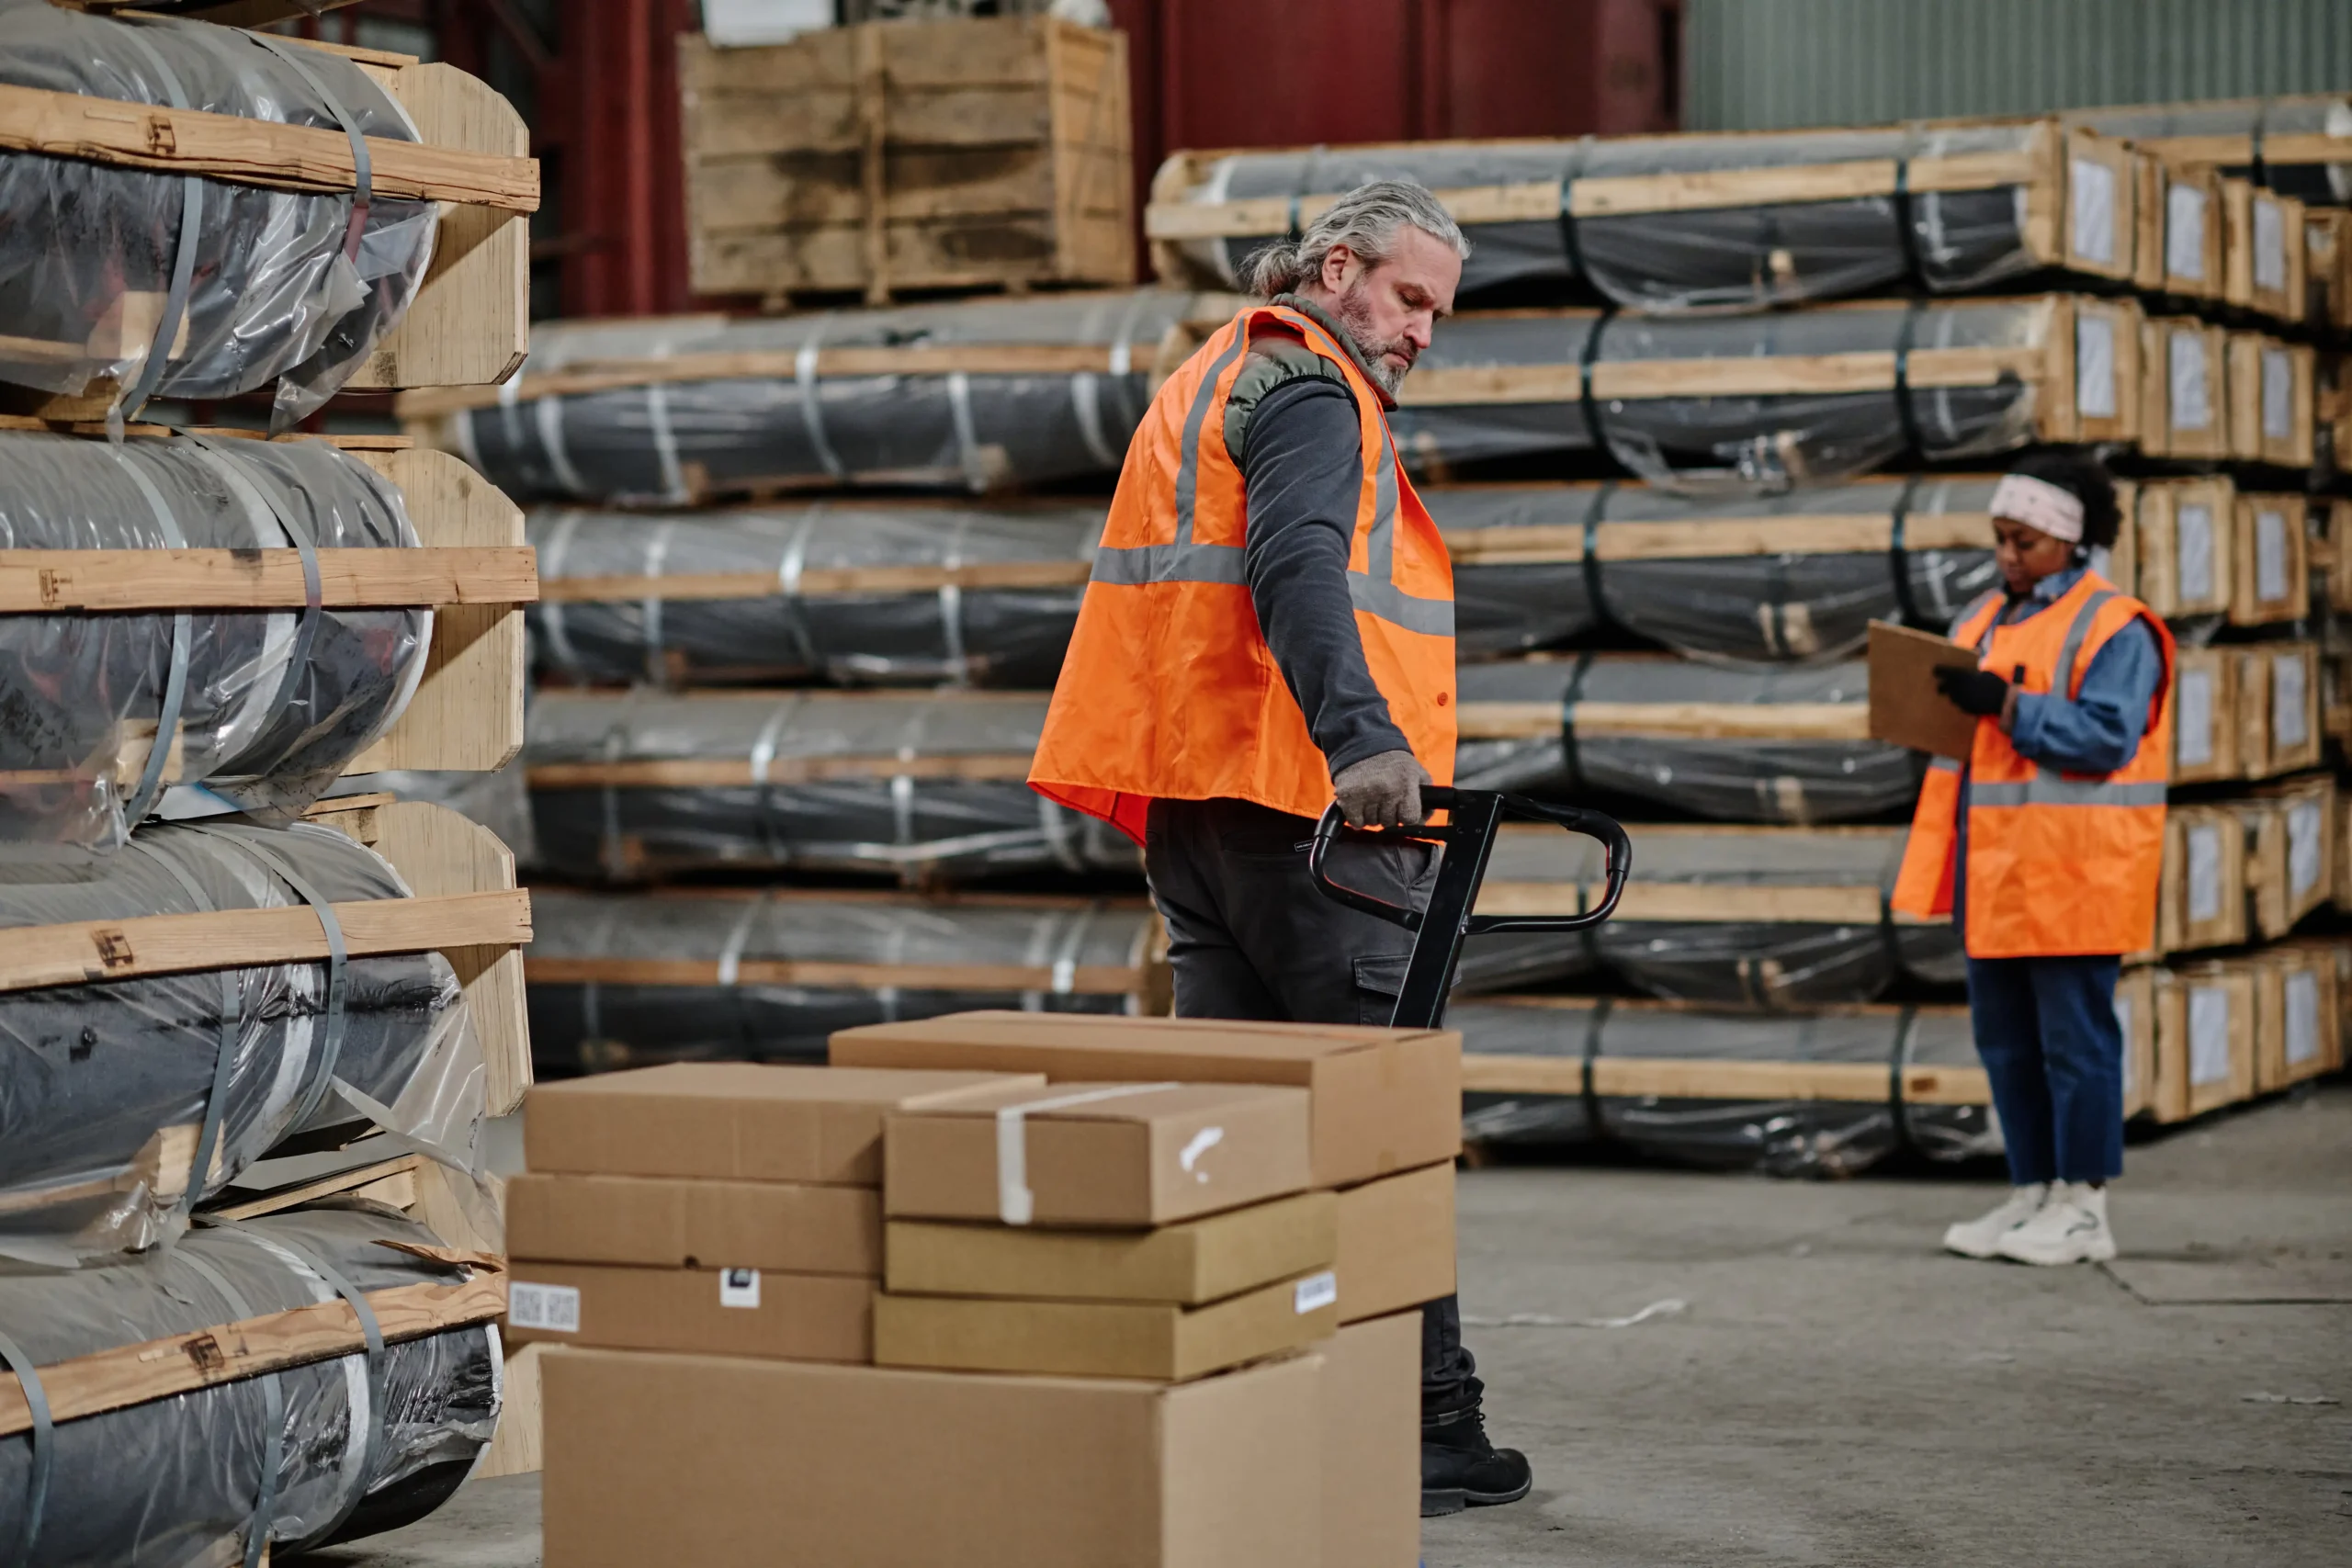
1981, 1237
2069, 1228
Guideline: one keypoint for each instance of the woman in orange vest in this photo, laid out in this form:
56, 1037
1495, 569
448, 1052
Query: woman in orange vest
2046, 847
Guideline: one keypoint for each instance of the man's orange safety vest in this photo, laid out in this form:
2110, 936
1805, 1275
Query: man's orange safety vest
2057, 863
1168, 690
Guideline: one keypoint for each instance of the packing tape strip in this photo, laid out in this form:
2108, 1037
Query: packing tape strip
1015, 1203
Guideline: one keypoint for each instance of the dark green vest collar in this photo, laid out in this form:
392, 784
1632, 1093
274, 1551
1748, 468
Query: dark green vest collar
1339, 335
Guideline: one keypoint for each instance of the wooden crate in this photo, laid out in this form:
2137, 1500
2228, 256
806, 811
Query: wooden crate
2273, 406
2178, 250
2205, 728
470, 322
2263, 258
2270, 579
2297, 1029
2201, 895
2275, 690
2205, 1034
2307, 810
2135, 1017
2327, 268
990, 153
2334, 955
2184, 381
2185, 539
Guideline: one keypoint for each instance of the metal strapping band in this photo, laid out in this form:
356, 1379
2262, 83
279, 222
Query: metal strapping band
665, 439
1897, 560
951, 604
968, 441
1085, 405
2258, 169
1906, 228
44, 1440
167, 717
1571, 244
1066, 960
306, 629
338, 964
550, 610
2064, 685
1904, 412
616, 740
1596, 429
1056, 822
273, 1407
657, 551
1590, 1090
1593, 591
902, 785
1187, 464
547, 413
812, 418
1898, 1061
363, 187
787, 582
369, 1327
224, 1050
762, 758
1568, 721
167, 329
730, 957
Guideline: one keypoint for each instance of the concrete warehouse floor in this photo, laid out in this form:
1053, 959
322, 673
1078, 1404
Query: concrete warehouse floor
1836, 1390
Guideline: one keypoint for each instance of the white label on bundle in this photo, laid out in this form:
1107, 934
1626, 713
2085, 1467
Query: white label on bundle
2303, 824
2209, 1034
2269, 555
2192, 542
738, 1287
2287, 726
2269, 244
2277, 395
554, 1308
2124, 1028
2095, 367
2193, 731
2185, 232
2303, 1016
1314, 1292
2185, 358
2094, 194
2204, 873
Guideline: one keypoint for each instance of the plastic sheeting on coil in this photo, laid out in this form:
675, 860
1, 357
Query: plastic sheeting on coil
176, 1482
105, 1086
88, 250
274, 703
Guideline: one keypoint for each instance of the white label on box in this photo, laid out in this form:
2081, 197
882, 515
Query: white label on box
2124, 1028
2209, 1034
2193, 543
2185, 232
2192, 408
2303, 867
2269, 244
2094, 366
2277, 395
2204, 872
554, 1308
2270, 557
738, 1287
2286, 725
1314, 1292
2303, 1016
2193, 727
2094, 197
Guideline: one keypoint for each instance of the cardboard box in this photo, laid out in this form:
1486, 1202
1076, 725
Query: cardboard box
731, 1120
697, 1458
1120, 1154
1372, 1444
725, 1312
1395, 1242
1385, 1100
1104, 1339
668, 1222
1199, 1260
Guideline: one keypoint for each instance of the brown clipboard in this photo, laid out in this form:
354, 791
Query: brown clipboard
1906, 706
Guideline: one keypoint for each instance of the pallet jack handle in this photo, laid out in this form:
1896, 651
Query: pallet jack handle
1468, 838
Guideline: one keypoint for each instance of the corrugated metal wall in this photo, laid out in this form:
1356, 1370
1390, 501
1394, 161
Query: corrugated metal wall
1759, 64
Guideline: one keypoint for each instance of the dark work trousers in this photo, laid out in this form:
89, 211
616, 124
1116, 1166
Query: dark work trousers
2047, 1033
1250, 937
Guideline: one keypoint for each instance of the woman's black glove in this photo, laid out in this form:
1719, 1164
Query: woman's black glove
1978, 692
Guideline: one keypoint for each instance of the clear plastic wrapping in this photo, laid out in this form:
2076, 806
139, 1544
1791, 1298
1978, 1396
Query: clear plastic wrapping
920, 784
1781, 1137
174, 1483
498, 799
859, 594
685, 442
88, 250
273, 703
105, 1088
1740, 257
769, 978
1787, 744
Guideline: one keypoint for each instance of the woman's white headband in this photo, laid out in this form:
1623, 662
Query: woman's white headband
2037, 503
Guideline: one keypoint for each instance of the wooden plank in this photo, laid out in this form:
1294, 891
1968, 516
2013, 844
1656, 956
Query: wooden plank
256, 153
389, 1181
46, 581
825, 582
1721, 721
467, 712
1089, 979
1676, 1078
516, 1449
127, 1376
725, 773
1705, 903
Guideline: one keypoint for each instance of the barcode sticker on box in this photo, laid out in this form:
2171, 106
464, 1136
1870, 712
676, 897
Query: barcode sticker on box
2303, 1016
2192, 407
2192, 534
2185, 232
2095, 367
2193, 731
2204, 873
554, 1308
2094, 194
2209, 1034
738, 1287
1314, 1292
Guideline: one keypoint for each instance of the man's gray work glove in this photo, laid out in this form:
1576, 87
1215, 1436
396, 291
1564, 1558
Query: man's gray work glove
1383, 791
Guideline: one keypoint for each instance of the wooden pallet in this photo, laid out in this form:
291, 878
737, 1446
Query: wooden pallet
470, 320
881, 158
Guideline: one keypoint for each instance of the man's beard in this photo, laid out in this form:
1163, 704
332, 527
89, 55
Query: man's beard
1354, 313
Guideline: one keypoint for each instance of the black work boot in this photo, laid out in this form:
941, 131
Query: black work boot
1460, 1469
